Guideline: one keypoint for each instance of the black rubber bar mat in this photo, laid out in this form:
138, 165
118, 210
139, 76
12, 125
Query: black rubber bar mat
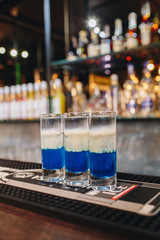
80, 212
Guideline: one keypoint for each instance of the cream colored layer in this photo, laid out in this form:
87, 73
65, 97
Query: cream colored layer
102, 140
51, 139
76, 140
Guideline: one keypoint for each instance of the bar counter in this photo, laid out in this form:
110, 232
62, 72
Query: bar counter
23, 224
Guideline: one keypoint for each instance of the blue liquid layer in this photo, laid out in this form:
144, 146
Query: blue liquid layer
52, 159
77, 162
103, 165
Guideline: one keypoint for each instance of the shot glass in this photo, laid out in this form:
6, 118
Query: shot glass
76, 149
102, 147
52, 147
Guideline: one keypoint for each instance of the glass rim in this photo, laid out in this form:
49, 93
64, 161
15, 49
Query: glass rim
103, 113
50, 115
76, 114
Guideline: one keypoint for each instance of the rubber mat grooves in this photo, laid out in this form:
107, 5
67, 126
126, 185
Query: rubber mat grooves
19, 164
139, 178
100, 214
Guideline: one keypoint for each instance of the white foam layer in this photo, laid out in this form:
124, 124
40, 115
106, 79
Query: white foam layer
102, 140
51, 139
76, 140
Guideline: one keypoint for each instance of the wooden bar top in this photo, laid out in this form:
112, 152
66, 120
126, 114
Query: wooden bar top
20, 224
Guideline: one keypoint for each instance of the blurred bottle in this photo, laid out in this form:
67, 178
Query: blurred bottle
30, 101
155, 36
82, 44
37, 98
93, 47
6, 103
117, 38
114, 88
68, 96
24, 100
18, 102
97, 102
1, 104
132, 39
79, 101
145, 26
130, 94
58, 100
44, 102
147, 95
13, 104
105, 46
72, 54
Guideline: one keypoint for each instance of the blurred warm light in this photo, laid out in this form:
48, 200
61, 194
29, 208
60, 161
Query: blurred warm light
147, 75
102, 34
155, 26
73, 92
159, 70
2, 50
156, 88
145, 86
14, 11
158, 78
128, 58
134, 78
93, 85
1, 66
54, 76
92, 23
24, 54
150, 66
96, 30
13, 52
129, 87
38, 81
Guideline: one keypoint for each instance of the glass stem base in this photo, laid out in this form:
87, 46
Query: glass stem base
53, 175
77, 179
107, 184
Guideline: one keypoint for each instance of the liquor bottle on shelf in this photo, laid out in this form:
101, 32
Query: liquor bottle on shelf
72, 54
18, 102
105, 46
37, 97
114, 90
155, 36
44, 97
130, 94
145, 26
147, 95
24, 100
79, 100
6, 103
13, 103
93, 47
132, 40
96, 102
117, 39
58, 100
68, 96
1, 105
82, 44
30, 101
